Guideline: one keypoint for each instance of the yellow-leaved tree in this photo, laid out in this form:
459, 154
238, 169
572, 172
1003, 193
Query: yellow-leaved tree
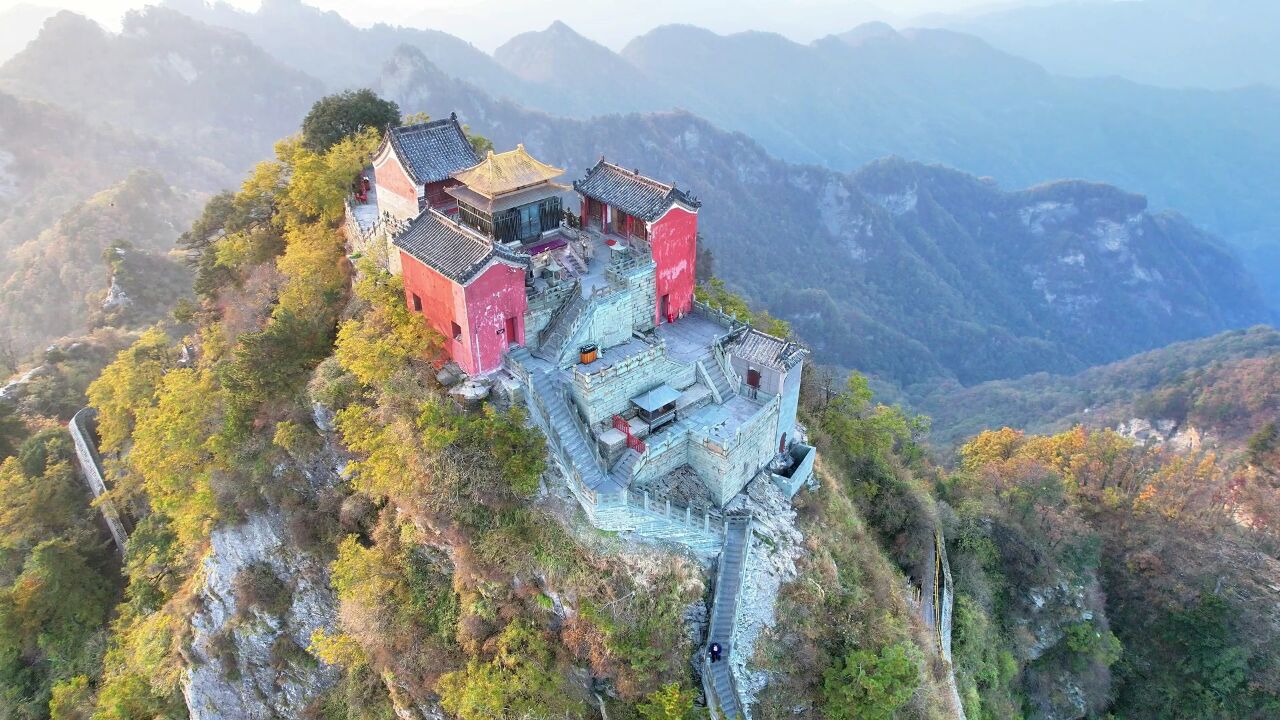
126, 385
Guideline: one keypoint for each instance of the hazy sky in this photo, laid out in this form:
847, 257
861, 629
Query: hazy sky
488, 23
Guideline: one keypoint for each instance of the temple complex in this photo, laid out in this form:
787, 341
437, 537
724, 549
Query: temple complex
659, 409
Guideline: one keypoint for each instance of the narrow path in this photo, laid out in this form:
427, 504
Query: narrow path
84, 436
936, 604
722, 694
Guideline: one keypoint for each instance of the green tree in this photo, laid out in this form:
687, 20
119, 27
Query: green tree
47, 617
1263, 442
127, 385
520, 681
717, 295
481, 144
669, 702
344, 114
12, 428
72, 699
871, 686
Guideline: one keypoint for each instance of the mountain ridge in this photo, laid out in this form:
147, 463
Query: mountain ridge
934, 95
165, 74
846, 233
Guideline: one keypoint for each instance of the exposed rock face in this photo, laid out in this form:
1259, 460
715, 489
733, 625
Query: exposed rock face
1056, 689
776, 544
246, 663
1165, 432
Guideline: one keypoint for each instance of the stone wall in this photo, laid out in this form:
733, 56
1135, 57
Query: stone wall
771, 379
609, 324
662, 457
608, 392
789, 402
802, 472
728, 468
542, 308
85, 440
641, 294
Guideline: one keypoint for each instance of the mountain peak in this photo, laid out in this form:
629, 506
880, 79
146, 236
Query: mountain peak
548, 56
560, 27
868, 31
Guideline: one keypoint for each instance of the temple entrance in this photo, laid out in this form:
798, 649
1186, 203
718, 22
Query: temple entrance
511, 332
664, 304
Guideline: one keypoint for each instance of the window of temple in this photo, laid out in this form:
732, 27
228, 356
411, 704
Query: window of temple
417, 303
457, 331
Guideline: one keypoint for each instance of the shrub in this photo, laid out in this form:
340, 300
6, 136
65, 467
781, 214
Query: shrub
871, 685
257, 587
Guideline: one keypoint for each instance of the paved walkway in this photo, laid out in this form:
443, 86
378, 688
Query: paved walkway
366, 213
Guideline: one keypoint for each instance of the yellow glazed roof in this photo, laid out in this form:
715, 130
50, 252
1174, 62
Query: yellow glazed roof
502, 173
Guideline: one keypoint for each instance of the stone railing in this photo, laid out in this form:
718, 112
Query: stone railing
622, 264
725, 320
574, 305
661, 506
726, 367
359, 237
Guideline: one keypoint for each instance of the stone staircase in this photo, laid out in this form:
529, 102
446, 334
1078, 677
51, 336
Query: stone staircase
653, 517
622, 469
712, 368
570, 437
717, 676
551, 343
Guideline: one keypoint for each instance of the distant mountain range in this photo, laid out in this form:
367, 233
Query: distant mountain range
1227, 385
935, 96
1173, 43
206, 88
919, 274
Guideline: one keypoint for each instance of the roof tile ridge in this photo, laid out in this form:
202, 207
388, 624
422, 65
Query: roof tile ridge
637, 175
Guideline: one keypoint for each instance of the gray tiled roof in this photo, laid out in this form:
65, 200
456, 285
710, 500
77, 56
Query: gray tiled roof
631, 192
758, 348
454, 251
433, 151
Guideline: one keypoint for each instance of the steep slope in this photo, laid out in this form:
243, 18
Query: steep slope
559, 55
1227, 385
209, 89
911, 272
52, 159
57, 284
939, 96
325, 45
1174, 43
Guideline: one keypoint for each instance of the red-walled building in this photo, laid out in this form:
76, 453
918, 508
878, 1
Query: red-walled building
468, 288
625, 203
415, 166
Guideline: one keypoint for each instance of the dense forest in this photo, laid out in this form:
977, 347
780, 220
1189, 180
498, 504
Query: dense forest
1093, 574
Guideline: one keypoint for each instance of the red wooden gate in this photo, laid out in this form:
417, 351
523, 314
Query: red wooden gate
633, 442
